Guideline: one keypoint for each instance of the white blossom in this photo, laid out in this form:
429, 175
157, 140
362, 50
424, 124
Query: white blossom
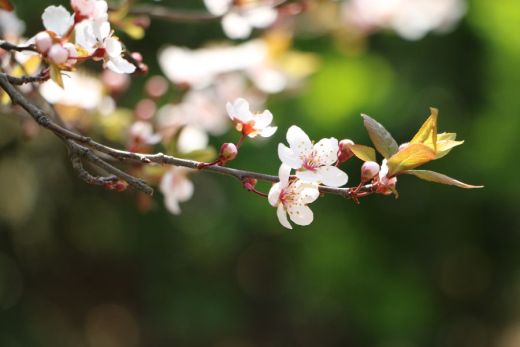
176, 188
250, 124
91, 9
314, 163
95, 37
292, 198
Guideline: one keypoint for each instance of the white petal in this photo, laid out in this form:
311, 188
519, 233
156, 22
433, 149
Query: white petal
57, 19
268, 132
307, 192
282, 216
101, 29
101, 10
288, 157
85, 36
263, 119
309, 176
274, 194
236, 26
217, 7
113, 47
284, 172
230, 110
299, 141
326, 151
384, 169
301, 215
120, 65
192, 139
261, 17
172, 204
241, 110
183, 189
332, 176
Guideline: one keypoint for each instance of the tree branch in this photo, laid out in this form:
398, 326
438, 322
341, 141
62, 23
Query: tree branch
6, 46
83, 147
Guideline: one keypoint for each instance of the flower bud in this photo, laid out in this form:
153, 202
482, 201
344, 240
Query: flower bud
344, 150
71, 49
403, 146
58, 54
43, 41
250, 183
228, 151
369, 170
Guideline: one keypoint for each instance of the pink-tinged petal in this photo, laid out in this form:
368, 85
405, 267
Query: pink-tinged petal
261, 17
299, 142
332, 176
282, 216
274, 194
120, 65
284, 172
235, 26
288, 157
57, 19
308, 176
268, 132
263, 119
301, 215
384, 169
326, 151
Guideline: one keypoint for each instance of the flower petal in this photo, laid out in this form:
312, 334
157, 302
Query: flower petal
274, 194
183, 188
113, 47
218, 7
332, 176
240, 111
301, 215
299, 141
307, 192
57, 19
284, 173
308, 176
120, 65
326, 151
282, 216
263, 119
261, 17
268, 132
235, 26
288, 157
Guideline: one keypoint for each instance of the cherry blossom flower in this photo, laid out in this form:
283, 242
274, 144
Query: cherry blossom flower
292, 198
176, 188
239, 20
248, 123
314, 163
97, 38
57, 19
142, 133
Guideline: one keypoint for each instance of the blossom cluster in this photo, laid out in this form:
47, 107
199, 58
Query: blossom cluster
85, 34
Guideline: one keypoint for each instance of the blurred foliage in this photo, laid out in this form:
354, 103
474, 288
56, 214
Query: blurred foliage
80, 266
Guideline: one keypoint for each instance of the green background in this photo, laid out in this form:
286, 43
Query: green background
81, 266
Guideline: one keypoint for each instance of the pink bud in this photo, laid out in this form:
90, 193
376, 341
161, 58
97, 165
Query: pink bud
369, 170
344, 150
71, 49
228, 151
250, 183
43, 41
58, 54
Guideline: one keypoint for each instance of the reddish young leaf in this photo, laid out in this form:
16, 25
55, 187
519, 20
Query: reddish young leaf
381, 138
6, 5
436, 177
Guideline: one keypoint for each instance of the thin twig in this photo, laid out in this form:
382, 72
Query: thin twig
6, 46
85, 145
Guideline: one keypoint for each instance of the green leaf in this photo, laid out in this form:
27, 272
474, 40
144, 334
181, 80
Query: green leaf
436, 177
381, 138
410, 157
364, 153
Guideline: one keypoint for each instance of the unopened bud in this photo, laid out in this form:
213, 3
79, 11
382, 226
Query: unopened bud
403, 146
71, 49
58, 54
228, 151
369, 170
43, 42
345, 153
250, 183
